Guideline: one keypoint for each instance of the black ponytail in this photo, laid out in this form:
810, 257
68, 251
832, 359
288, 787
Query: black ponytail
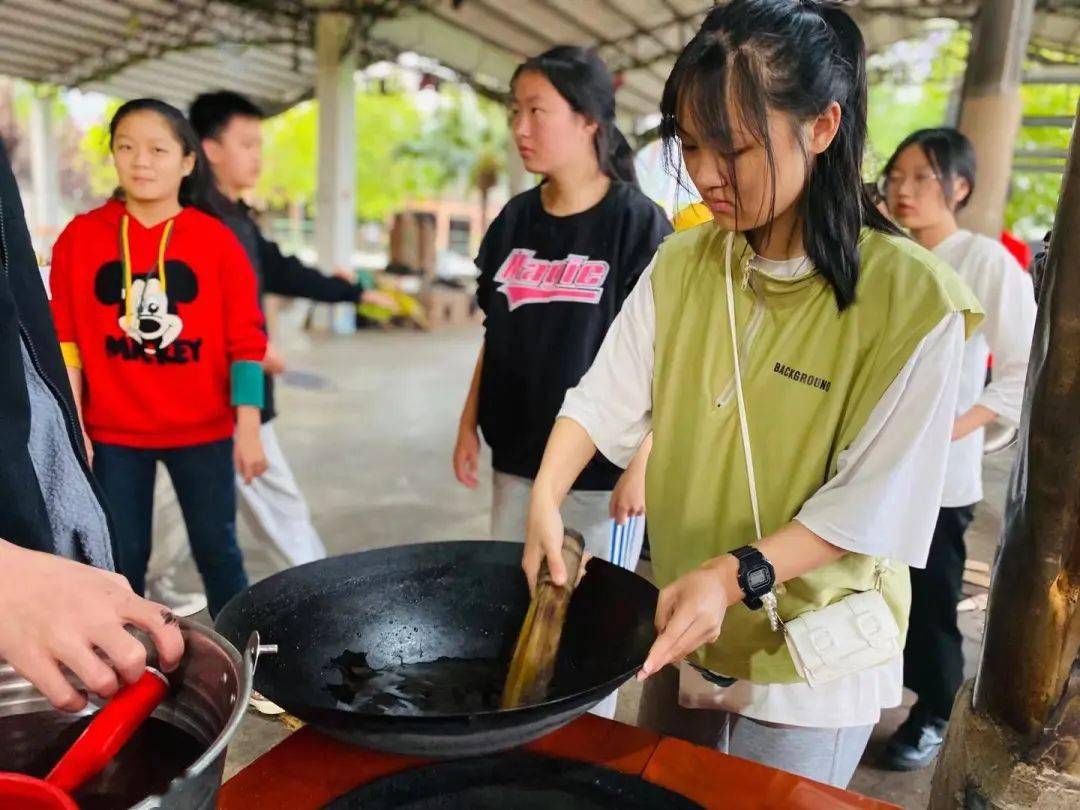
796, 57
198, 189
619, 163
581, 77
832, 230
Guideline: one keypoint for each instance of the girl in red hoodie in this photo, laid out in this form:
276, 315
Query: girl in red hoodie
156, 311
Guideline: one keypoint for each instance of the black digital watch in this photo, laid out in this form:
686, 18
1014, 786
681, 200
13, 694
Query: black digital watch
756, 575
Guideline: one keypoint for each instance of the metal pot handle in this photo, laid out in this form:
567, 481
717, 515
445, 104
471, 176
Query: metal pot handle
254, 649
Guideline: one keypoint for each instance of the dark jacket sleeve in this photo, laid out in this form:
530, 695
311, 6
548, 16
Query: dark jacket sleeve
288, 276
23, 310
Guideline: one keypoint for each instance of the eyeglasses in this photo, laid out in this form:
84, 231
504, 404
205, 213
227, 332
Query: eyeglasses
892, 183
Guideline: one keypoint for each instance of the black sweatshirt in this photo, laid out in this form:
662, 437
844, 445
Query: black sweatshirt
551, 287
284, 275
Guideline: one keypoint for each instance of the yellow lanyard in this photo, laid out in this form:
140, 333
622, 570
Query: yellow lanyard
126, 244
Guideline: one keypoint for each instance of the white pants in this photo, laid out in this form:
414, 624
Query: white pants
273, 508
587, 511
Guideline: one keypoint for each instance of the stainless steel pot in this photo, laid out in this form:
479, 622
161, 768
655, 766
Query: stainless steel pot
210, 696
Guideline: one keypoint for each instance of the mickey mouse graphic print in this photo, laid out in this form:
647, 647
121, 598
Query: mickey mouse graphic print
550, 288
148, 301
156, 316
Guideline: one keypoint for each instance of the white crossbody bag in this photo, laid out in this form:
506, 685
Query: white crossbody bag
856, 633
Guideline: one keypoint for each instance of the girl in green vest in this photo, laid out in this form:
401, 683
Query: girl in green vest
796, 362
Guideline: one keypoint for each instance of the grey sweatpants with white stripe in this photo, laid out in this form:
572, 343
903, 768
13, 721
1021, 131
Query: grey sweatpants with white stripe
586, 511
827, 755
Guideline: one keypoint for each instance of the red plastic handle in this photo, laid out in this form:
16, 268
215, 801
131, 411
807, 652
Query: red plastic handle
110, 729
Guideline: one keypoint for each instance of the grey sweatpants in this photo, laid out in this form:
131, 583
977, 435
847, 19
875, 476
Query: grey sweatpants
828, 755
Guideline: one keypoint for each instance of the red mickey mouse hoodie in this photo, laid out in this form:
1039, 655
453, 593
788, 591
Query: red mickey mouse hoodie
156, 344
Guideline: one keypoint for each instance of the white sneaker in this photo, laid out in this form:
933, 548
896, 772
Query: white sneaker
162, 591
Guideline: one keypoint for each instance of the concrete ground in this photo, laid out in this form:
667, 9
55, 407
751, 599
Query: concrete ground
368, 423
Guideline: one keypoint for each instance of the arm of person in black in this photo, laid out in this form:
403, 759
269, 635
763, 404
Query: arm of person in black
466, 459
290, 277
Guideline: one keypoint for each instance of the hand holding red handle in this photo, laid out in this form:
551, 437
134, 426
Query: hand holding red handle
110, 729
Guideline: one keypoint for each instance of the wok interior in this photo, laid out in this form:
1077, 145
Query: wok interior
417, 604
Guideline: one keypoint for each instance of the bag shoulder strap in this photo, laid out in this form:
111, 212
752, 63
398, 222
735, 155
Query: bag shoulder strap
743, 424
881, 565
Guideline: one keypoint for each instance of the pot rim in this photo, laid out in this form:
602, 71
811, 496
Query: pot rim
245, 667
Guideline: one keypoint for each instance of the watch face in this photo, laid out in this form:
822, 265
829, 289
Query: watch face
758, 579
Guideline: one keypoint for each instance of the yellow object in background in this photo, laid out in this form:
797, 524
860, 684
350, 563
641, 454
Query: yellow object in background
691, 215
406, 307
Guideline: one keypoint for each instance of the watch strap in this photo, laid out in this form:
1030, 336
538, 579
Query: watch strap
751, 557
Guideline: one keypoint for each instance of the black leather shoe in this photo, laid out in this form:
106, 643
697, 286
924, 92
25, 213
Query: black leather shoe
916, 743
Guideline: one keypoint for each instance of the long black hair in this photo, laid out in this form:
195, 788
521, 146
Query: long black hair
198, 189
582, 78
950, 154
795, 57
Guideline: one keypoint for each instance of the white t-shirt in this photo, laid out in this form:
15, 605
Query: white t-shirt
883, 500
1006, 294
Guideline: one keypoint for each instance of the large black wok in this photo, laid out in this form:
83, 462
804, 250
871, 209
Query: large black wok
405, 649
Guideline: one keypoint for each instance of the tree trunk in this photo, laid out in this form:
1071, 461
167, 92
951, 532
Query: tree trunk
1015, 736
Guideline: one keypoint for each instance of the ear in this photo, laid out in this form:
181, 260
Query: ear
182, 285
961, 191
188, 164
823, 129
212, 150
590, 125
107, 283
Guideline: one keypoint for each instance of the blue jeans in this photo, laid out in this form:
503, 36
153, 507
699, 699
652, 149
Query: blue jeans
204, 479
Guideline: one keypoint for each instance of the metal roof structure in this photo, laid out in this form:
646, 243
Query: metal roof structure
178, 48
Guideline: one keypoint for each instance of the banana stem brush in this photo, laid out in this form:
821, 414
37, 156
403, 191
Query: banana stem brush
533, 664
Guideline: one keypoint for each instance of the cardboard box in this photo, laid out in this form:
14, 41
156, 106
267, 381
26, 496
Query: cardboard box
448, 307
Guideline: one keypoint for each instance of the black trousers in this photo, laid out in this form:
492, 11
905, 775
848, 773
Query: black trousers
933, 657
204, 479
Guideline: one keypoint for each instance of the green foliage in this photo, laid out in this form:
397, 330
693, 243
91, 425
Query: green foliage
96, 157
290, 152
910, 88
291, 149
463, 143
383, 181
1033, 205
396, 154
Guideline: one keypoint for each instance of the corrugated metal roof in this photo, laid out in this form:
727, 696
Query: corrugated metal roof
178, 48
171, 48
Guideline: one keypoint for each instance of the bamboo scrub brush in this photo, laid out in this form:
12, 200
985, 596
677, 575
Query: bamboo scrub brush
533, 664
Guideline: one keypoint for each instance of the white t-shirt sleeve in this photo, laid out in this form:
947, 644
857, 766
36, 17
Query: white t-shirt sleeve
884, 499
1008, 298
613, 401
